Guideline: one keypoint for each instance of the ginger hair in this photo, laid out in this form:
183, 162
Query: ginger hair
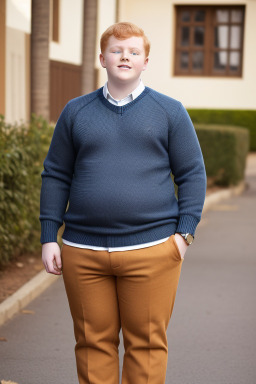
124, 30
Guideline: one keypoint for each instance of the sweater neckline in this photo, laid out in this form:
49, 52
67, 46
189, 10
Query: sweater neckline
120, 109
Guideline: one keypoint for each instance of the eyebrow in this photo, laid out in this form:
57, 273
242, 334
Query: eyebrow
118, 46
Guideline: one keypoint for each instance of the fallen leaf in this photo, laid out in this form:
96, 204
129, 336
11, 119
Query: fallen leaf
3, 339
8, 382
38, 267
28, 311
20, 265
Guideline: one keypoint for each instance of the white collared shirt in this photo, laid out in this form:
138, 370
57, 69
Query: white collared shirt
137, 91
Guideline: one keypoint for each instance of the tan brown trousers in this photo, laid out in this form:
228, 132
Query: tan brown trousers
133, 290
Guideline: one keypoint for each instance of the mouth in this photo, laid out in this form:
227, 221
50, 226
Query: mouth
124, 66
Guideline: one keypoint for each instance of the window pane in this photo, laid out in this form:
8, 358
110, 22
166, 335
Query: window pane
221, 36
185, 16
222, 16
199, 36
220, 60
235, 37
198, 60
199, 15
185, 36
234, 61
236, 16
222, 50
184, 60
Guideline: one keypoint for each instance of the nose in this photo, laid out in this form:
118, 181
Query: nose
124, 56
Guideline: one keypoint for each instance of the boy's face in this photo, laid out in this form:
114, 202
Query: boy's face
124, 60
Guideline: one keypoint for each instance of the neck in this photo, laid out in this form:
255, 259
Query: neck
121, 90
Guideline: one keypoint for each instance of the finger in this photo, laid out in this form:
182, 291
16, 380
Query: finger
58, 261
50, 268
53, 271
56, 268
57, 271
46, 267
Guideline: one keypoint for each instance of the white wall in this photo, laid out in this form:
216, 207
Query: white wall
18, 15
69, 48
18, 23
15, 91
194, 92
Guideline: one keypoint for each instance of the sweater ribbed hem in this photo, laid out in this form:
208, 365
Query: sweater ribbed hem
187, 224
121, 240
49, 231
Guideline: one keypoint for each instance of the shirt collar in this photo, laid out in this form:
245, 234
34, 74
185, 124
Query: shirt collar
135, 93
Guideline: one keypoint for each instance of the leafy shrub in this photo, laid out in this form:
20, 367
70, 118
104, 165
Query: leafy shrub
245, 119
224, 149
22, 151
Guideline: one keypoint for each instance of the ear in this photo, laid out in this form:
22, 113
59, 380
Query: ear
145, 64
102, 60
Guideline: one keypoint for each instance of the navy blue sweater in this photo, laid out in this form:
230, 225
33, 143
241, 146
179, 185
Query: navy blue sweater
107, 172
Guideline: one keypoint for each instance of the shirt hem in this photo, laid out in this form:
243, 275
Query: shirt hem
122, 240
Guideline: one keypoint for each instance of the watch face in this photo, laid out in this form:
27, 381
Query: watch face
190, 238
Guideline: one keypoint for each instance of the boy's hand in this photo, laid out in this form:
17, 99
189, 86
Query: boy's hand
51, 258
181, 243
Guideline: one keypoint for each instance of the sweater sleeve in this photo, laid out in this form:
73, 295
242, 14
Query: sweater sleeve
187, 166
56, 178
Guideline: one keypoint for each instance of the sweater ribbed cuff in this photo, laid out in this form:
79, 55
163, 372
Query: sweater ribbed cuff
49, 231
187, 224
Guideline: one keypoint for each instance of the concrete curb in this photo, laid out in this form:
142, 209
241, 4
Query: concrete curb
29, 291
43, 280
224, 194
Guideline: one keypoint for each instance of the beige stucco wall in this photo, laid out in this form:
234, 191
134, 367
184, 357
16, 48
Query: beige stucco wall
16, 54
15, 93
2, 55
18, 15
157, 20
69, 48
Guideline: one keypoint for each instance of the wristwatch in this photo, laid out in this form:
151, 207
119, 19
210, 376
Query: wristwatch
187, 237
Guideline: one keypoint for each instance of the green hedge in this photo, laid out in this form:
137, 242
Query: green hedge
224, 149
22, 151
242, 118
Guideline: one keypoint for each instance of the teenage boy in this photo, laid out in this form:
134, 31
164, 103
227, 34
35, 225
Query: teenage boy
126, 234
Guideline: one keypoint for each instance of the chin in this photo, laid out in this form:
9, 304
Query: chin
126, 76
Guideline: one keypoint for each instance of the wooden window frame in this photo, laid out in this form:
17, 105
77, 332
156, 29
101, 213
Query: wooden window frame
208, 47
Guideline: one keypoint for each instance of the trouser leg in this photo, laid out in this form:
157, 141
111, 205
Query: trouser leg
91, 292
146, 287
